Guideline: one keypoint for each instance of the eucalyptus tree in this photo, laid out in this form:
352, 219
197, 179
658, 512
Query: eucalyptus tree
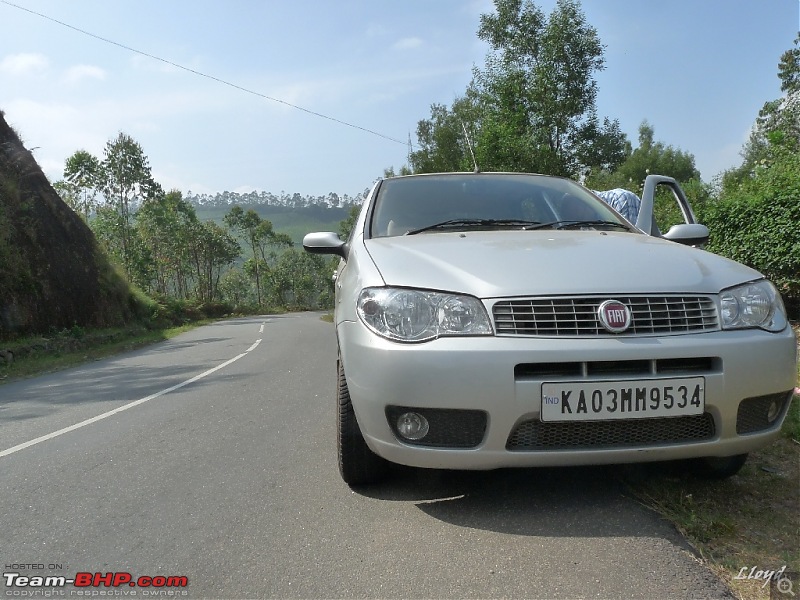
212, 249
165, 223
253, 229
125, 180
82, 170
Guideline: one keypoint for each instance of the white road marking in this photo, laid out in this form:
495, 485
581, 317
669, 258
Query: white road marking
55, 434
261, 329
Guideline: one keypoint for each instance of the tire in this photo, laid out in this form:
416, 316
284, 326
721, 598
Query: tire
358, 465
718, 467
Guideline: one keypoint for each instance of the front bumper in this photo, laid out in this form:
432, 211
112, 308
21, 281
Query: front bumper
489, 374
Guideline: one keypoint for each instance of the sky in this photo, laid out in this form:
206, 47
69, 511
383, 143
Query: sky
224, 114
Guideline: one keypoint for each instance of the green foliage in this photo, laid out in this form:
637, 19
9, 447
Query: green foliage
236, 288
755, 219
82, 173
301, 280
649, 157
777, 124
757, 222
532, 108
346, 226
260, 237
125, 179
442, 146
212, 249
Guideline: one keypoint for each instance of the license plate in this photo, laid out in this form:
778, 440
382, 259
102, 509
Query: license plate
609, 400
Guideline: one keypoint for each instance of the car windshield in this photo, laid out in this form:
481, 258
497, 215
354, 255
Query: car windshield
468, 201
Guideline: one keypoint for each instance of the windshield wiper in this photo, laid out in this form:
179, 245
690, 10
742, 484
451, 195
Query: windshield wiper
569, 224
460, 223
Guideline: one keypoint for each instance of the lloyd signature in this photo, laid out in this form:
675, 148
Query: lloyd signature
764, 575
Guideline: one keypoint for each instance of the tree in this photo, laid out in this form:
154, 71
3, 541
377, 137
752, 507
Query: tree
755, 218
346, 226
235, 287
246, 224
442, 146
166, 225
532, 108
654, 157
302, 280
83, 170
125, 180
260, 237
777, 124
212, 249
756, 222
537, 92
649, 157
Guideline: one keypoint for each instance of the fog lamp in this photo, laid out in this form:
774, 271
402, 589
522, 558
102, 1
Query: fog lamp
412, 426
773, 411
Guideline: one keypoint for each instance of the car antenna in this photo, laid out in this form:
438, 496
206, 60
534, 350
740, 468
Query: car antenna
469, 145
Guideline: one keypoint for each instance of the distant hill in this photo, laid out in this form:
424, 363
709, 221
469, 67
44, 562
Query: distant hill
294, 215
284, 200
52, 274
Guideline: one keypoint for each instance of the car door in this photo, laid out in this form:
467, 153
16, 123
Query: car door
689, 232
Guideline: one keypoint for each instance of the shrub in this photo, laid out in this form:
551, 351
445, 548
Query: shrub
758, 222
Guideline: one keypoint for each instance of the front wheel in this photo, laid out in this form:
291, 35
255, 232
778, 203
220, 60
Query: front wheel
357, 463
718, 467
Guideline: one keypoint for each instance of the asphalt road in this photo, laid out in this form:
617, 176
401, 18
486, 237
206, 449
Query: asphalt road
212, 456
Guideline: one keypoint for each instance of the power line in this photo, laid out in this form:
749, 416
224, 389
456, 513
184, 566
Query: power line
201, 74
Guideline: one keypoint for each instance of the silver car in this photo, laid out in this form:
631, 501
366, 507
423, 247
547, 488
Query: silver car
489, 320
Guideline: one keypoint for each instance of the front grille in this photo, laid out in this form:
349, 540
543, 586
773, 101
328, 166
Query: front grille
752, 414
449, 428
650, 315
644, 368
596, 435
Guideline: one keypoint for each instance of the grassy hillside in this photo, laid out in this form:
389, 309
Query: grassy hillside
52, 273
294, 222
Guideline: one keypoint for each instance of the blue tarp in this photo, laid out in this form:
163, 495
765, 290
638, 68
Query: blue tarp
624, 202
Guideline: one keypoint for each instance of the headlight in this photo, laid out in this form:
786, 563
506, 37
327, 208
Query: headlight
756, 304
407, 315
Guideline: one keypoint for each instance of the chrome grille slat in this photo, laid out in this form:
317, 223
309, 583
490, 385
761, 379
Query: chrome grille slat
577, 316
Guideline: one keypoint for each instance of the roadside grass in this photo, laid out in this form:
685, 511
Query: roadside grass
749, 520
38, 355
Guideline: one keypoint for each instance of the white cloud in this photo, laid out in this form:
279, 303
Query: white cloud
21, 64
408, 44
78, 73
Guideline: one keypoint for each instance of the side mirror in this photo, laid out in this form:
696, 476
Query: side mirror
325, 242
690, 234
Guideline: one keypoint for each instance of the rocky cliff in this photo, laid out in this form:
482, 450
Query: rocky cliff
52, 273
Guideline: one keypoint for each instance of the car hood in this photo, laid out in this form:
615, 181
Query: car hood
491, 264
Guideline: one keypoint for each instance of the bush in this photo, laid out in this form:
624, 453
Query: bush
758, 222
